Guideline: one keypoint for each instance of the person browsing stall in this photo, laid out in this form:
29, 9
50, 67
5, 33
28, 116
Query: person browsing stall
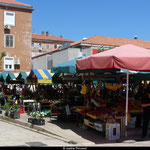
146, 113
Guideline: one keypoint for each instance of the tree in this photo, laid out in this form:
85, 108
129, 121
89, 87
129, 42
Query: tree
3, 54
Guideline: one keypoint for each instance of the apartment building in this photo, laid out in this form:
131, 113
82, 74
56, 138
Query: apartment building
84, 47
44, 42
15, 35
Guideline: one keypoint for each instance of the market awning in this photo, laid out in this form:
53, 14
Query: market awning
22, 76
42, 76
6, 76
66, 67
128, 56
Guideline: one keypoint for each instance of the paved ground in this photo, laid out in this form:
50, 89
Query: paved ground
67, 132
12, 135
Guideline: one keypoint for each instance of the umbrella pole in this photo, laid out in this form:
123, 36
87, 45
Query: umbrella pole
127, 95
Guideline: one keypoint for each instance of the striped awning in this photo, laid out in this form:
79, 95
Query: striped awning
40, 76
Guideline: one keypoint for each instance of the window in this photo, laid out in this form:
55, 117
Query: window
40, 45
55, 46
47, 46
32, 45
8, 63
9, 41
9, 18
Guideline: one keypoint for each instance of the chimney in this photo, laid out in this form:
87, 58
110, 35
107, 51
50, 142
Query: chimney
42, 33
47, 33
135, 37
61, 36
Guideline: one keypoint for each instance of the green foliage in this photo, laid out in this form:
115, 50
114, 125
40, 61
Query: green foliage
6, 107
1, 95
15, 108
37, 114
100, 50
59, 102
3, 54
44, 100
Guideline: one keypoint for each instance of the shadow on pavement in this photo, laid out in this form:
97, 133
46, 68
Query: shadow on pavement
94, 135
133, 134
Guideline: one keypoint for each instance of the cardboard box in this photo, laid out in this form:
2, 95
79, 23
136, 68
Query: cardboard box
131, 124
99, 126
112, 131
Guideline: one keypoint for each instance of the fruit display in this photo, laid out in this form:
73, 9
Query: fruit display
113, 87
83, 108
102, 113
133, 106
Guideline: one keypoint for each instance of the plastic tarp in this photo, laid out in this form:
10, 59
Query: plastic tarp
66, 67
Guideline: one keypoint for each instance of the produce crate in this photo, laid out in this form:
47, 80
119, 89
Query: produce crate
38, 121
89, 123
99, 126
112, 131
15, 115
131, 124
121, 121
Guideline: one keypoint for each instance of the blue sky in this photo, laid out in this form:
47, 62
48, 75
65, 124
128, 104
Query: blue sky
77, 19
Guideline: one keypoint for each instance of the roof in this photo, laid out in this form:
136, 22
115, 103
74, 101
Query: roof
46, 53
13, 3
113, 41
49, 38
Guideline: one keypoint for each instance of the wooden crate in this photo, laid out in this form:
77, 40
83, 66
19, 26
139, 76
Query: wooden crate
121, 121
88, 123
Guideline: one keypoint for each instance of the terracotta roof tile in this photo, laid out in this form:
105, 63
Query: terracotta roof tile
14, 2
113, 41
50, 37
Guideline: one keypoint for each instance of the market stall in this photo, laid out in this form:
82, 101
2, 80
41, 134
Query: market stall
123, 57
22, 76
65, 74
41, 82
40, 76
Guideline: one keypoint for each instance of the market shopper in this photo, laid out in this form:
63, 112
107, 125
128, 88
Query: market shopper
146, 113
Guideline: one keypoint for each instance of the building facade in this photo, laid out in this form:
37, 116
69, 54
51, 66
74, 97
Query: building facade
85, 47
15, 35
44, 42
